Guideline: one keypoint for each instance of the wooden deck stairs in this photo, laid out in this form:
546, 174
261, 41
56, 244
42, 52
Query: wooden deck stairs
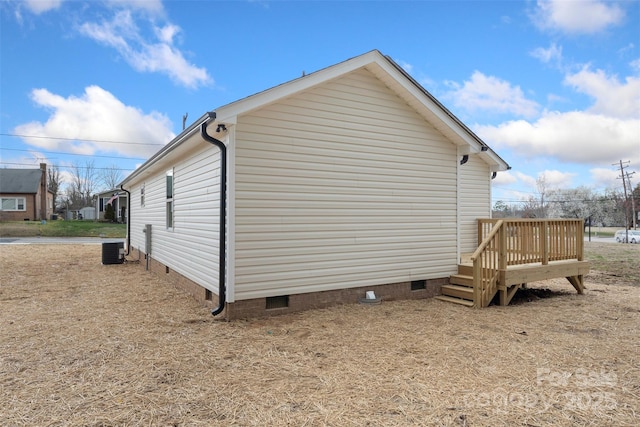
460, 287
515, 252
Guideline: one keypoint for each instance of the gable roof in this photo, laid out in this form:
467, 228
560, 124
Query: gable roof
385, 69
16, 181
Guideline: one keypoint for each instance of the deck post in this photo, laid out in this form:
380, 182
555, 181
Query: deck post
544, 229
502, 236
580, 242
477, 283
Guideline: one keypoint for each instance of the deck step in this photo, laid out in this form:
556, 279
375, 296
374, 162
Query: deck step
461, 279
465, 269
458, 291
455, 300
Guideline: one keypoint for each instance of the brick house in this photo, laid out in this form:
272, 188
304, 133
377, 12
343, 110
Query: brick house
24, 194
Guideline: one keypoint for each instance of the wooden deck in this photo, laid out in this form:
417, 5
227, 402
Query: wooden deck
514, 252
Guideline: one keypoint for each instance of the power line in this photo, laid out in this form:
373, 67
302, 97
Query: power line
80, 139
595, 200
74, 154
67, 167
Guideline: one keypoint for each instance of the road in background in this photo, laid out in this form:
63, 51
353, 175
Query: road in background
57, 240
599, 239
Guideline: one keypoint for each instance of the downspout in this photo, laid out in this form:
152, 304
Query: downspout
128, 218
222, 287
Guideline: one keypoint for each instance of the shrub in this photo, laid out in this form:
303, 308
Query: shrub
109, 213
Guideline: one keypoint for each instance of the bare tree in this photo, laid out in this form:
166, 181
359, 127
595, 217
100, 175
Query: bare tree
613, 207
54, 178
573, 203
543, 192
83, 183
530, 208
111, 176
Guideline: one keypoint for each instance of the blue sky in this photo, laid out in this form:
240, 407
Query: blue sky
551, 86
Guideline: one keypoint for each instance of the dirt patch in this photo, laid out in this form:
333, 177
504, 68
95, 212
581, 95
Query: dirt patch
93, 345
527, 294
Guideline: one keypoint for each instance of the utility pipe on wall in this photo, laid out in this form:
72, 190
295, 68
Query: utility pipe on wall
222, 287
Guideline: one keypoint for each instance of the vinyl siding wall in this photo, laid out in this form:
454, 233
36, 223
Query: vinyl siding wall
191, 248
475, 201
341, 186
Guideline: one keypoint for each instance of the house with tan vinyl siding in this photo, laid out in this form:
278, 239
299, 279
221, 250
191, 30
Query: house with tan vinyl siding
350, 179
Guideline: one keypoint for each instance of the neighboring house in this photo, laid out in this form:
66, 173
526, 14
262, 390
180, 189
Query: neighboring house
24, 194
117, 199
350, 179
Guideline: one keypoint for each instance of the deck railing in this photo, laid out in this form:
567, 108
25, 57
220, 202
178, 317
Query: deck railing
486, 265
505, 242
530, 241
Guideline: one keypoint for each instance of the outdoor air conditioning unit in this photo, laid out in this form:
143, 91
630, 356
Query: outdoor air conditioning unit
113, 253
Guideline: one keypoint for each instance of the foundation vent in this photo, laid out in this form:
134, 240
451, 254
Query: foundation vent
281, 301
417, 285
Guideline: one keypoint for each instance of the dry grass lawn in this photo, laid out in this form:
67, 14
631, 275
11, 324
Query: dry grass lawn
82, 344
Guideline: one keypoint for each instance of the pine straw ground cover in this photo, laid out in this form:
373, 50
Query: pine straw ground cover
84, 344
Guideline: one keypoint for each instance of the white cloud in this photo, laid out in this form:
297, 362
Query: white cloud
504, 178
491, 94
605, 177
557, 179
160, 55
551, 55
626, 49
42, 6
95, 116
114, 33
528, 180
573, 137
406, 66
583, 16
606, 132
612, 97
553, 99
151, 6
167, 33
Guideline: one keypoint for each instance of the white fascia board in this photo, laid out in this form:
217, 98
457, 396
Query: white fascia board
495, 162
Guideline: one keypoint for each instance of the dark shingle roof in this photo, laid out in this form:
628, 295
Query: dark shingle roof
20, 180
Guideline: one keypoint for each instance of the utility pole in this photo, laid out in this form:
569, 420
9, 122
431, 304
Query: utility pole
623, 176
633, 201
